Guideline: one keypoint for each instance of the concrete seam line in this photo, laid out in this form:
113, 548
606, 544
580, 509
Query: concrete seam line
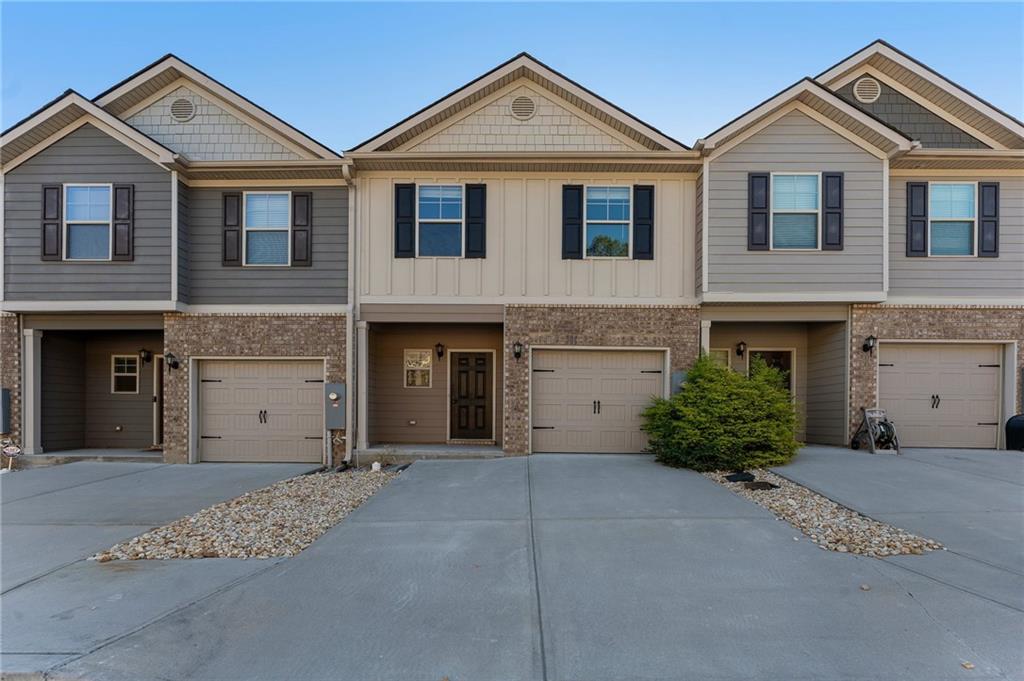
955, 587
536, 571
90, 482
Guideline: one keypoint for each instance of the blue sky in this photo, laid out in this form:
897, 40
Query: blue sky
342, 72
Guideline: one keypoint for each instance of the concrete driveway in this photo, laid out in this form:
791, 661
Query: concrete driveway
55, 604
589, 568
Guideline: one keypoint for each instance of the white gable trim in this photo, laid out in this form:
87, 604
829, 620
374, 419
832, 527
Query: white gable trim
884, 50
534, 89
915, 97
310, 147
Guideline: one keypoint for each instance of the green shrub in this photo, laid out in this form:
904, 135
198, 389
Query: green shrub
723, 420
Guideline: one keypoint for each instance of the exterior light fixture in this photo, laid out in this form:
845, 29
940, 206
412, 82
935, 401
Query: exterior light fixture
517, 350
870, 343
146, 355
741, 348
439, 349
171, 361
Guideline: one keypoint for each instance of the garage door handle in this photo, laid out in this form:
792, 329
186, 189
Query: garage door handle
209, 437
599, 406
989, 424
543, 427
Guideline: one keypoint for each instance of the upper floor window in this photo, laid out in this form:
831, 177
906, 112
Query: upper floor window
439, 221
87, 209
267, 228
795, 208
608, 222
951, 213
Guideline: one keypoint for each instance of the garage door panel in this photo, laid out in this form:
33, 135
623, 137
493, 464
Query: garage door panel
960, 375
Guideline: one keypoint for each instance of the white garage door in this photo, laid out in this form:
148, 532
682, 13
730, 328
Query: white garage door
941, 395
261, 410
591, 400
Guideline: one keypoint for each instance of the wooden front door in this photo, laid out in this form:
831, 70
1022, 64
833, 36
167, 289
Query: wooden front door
472, 393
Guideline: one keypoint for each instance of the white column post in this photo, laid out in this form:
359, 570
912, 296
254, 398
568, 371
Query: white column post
362, 378
705, 336
32, 391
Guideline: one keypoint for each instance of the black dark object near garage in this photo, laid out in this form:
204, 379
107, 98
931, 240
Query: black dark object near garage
1015, 432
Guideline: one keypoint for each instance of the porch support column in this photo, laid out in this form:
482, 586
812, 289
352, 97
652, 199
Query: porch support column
705, 336
32, 391
362, 379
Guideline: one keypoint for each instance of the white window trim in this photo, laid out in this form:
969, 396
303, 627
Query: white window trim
771, 213
246, 229
429, 370
114, 374
629, 229
461, 221
974, 220
109, 222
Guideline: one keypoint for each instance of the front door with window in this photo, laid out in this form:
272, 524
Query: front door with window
471, 395
781, 360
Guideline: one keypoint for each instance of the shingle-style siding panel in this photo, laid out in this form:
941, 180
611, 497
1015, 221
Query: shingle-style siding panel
87, 155
212, 134
795, 143
184, 249
325, 282
900, 111
554, 127
1001, 277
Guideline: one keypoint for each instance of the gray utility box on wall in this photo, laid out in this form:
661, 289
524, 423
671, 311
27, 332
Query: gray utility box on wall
334, 406
5, 411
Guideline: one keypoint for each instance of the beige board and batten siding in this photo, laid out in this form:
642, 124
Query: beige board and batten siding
524, 245
959, 277
795, 143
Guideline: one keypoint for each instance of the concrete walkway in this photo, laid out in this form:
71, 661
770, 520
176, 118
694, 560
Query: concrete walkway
55, 604
595, 568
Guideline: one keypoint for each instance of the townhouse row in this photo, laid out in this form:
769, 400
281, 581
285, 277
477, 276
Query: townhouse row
515, 268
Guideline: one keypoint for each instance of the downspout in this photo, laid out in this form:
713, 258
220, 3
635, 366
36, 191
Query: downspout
351, 376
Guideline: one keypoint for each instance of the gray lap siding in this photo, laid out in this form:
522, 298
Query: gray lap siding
87, 155
325, 282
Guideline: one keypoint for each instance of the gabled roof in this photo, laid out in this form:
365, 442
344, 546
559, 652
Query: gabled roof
812, 95
58, 116
931, 86
164, 71
523, 65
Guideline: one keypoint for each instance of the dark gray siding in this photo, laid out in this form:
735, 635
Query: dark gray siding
104, 410
907, 115
326, 282
183, 243
63, 398
87, 155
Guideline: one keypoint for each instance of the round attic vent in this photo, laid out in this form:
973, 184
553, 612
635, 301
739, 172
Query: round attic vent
182, 110
867, 90
523, 108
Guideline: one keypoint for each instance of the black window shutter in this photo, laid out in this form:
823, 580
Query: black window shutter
232, 220
476, 220
50, 236
988, 226
572, 222
643, 222
832, 211
758, 207
302, 229
405, 221
124, 222
917, 219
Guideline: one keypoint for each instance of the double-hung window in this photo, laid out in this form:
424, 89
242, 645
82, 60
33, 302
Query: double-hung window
608, 221
87, 209
951, 218
439, 221
795, 208
267, 228
124, 374
417, 364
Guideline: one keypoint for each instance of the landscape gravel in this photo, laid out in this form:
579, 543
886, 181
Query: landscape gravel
828, 524
275, 521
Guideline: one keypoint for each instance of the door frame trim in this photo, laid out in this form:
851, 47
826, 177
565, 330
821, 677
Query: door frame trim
158, 412
792, 362
448, 395
193, 398
1007, 378
666, 373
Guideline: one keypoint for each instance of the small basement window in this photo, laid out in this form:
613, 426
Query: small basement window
124, 374
418, 365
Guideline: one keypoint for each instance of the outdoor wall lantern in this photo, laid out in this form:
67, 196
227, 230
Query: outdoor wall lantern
171, 361
146, 355
869, 344
517, 350
741, 349
439, 349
